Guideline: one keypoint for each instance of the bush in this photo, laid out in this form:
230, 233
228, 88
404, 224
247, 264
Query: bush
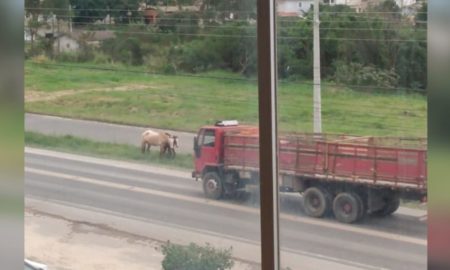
124, 50
101, 58
199, 56
67, 57
230, 47
355, 74
194, 257
40, 59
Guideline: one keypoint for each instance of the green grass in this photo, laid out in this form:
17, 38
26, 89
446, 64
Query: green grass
186, 102
107, 150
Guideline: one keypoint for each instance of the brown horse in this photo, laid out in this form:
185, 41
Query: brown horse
164, 140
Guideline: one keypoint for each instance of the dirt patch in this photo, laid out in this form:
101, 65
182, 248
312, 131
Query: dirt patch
65, 244
35, 96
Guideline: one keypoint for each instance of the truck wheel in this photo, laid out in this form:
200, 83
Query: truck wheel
348, 207
392, 204
316, 202
212, 186
362, 206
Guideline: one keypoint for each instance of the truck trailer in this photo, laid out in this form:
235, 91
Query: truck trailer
349, 176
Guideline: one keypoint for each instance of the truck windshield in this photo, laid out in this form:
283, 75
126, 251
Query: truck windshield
209, 138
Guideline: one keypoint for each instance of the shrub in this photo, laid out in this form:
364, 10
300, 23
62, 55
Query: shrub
123, 49
194, 257
67, 57
101, 58
355, 74
40, 59
229, 47
199, 56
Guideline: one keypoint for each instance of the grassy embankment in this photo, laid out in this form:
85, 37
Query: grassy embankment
106, 150
186, 102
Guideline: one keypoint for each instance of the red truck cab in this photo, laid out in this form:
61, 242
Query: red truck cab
208, 146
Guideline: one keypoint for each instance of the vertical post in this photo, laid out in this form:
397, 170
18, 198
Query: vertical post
59, 40
70, 18
317, 103
268, 151
109, 17
53, 24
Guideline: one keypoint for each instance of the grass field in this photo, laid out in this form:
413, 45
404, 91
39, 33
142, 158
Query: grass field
186, 102
106, 150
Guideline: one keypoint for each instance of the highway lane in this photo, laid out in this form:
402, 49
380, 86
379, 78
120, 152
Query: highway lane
398, 242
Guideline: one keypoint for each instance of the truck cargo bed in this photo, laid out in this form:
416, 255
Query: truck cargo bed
380, 161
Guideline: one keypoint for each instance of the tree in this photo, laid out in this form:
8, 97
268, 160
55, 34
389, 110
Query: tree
32, 7
230, 46
227, 9
88, 11
32, 10
422, 16
60, 8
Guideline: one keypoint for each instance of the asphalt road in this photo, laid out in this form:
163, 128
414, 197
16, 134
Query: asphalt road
99, 131
158, 196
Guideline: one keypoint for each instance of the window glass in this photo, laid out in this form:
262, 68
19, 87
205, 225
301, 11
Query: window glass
112, 181
352, 111
209, 138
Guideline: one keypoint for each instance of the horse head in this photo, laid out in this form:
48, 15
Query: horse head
175, 141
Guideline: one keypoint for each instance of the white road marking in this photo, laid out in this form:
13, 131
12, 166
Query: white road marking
310, 221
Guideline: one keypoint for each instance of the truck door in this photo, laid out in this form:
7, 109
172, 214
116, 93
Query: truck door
207, 149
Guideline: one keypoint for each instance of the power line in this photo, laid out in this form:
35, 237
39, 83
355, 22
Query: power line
281, 37
251, 27
280, 19
218, 10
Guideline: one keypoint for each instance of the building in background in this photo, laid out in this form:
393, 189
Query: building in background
293, 8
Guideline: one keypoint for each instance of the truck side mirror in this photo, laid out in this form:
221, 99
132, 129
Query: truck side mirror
196, 148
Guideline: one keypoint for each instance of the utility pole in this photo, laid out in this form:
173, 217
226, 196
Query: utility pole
317, 103
70, 18
58, 35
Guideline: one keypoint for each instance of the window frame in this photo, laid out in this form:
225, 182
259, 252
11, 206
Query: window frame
268, 138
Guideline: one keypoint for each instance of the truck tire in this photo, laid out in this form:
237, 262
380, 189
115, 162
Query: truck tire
212, 185
392, 204
362, 209
348, 207
316, 202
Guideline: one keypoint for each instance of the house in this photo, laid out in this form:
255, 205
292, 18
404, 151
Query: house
361, 5
357, 5
65, 43
297, 8
151, 14
293, 8
71, 42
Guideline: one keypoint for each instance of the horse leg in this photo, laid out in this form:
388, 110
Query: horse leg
143, 146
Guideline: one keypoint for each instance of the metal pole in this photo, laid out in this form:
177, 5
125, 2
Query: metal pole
268, 151
59, 39
317, 103
70, 18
